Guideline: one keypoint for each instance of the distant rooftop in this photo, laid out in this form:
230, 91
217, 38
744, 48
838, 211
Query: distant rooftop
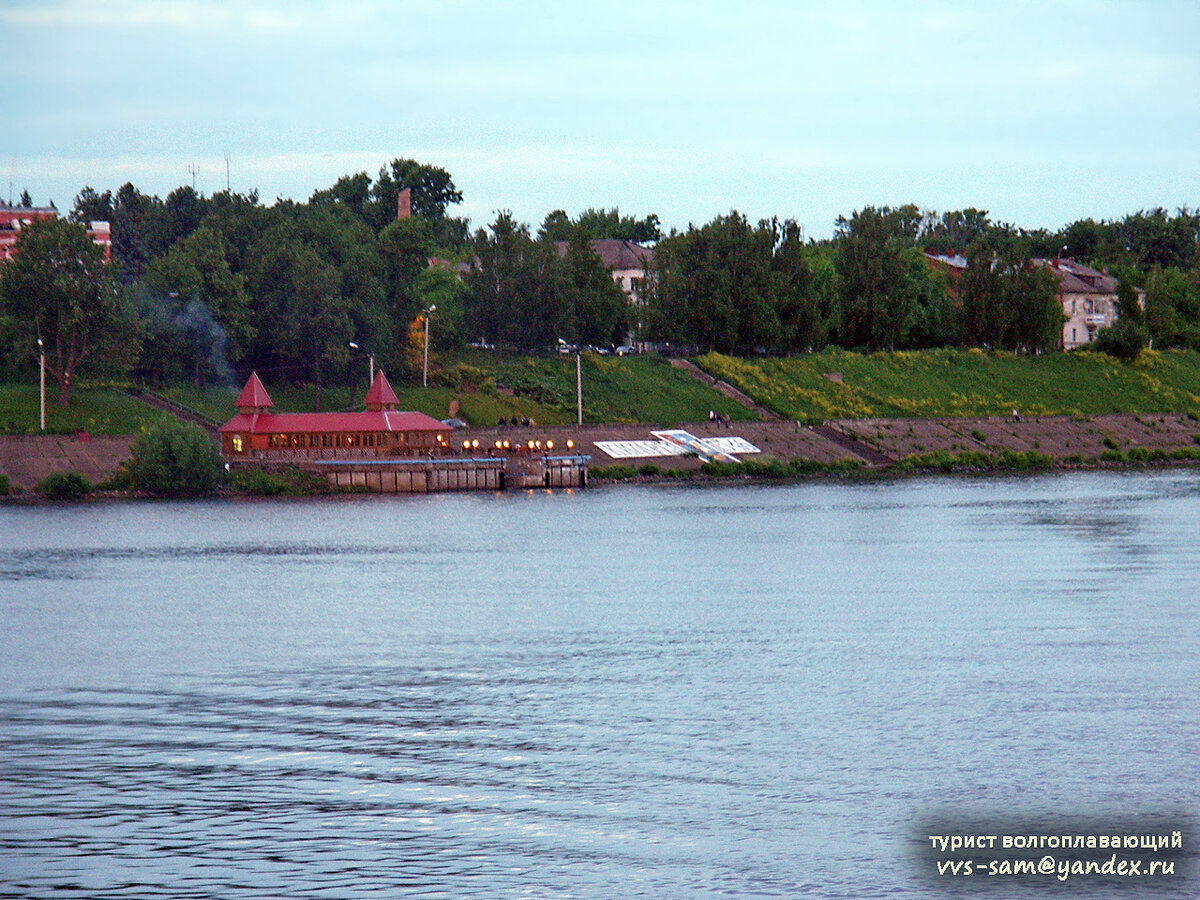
617, 253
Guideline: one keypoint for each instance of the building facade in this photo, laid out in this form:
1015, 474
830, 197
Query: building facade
14, 218
381, 431
1088, 297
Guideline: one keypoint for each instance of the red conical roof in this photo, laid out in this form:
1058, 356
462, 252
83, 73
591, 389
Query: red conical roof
254, 397
381, 395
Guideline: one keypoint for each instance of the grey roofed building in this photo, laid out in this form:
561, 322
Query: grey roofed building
626, 260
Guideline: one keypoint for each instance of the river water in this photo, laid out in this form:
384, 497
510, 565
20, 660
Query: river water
664, 692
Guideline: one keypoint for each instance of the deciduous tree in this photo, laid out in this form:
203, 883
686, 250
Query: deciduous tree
57, 287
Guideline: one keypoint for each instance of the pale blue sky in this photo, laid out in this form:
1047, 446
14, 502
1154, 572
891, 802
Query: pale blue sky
1041, 112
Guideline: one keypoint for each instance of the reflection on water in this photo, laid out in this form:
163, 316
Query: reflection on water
658, 692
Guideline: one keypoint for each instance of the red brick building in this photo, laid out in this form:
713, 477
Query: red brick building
14, 218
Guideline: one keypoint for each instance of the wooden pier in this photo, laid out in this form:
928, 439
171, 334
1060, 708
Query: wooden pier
440, 474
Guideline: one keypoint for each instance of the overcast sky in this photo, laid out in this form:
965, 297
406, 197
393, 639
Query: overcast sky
1041, 112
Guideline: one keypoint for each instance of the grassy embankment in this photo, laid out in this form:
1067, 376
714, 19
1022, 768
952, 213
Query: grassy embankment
486, 386
963, 383
96, 409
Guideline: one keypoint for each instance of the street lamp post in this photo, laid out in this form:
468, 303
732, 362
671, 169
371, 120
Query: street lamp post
425, 371
42, 381
578, 378
370, 364
370, 372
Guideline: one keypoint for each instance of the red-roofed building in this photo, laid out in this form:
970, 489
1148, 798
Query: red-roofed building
14, 218
381, 431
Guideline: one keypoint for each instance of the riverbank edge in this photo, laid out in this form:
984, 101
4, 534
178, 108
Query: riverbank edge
787, 450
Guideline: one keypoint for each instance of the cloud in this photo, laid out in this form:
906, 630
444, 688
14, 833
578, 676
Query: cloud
185, 15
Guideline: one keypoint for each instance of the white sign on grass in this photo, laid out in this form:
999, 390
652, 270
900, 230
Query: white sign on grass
676, 443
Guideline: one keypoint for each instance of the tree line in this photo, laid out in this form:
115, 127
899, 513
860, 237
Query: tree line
740, 287
208, 288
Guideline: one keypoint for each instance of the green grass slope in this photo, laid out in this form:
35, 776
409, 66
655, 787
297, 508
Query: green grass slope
96, 410
950, 383
483, 387
488, 386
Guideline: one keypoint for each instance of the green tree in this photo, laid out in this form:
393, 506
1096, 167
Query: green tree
597, 304
1122, 340
557, 226
194, 308
877, 309
803, 290
720, 286
438, 286
500, 284
57, 287
1007, 301
92, 207
1033, 293
432, 190
240, 221
303, 324
984, 320
956, 231
350, 191
174, 459
1172, 315
599, 224
182, 213
139, 232
404, 248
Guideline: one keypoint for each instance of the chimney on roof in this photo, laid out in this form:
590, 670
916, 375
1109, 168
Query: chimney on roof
404, 204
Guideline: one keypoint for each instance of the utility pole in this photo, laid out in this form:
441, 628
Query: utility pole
194, 170
42, 381
227, 171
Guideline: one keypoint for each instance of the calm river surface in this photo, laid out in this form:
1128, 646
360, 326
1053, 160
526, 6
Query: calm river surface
661, 692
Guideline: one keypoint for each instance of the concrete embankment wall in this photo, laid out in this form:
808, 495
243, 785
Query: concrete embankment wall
26, 460
1061, 438
876, 442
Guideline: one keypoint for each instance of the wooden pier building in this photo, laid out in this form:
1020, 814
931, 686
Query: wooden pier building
383, 449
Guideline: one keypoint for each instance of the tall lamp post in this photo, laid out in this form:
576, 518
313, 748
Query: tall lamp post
425, 371
370, 363
42, 381
578, 378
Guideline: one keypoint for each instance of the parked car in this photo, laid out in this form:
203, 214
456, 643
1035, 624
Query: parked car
626, 350
455, 423
481, 344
